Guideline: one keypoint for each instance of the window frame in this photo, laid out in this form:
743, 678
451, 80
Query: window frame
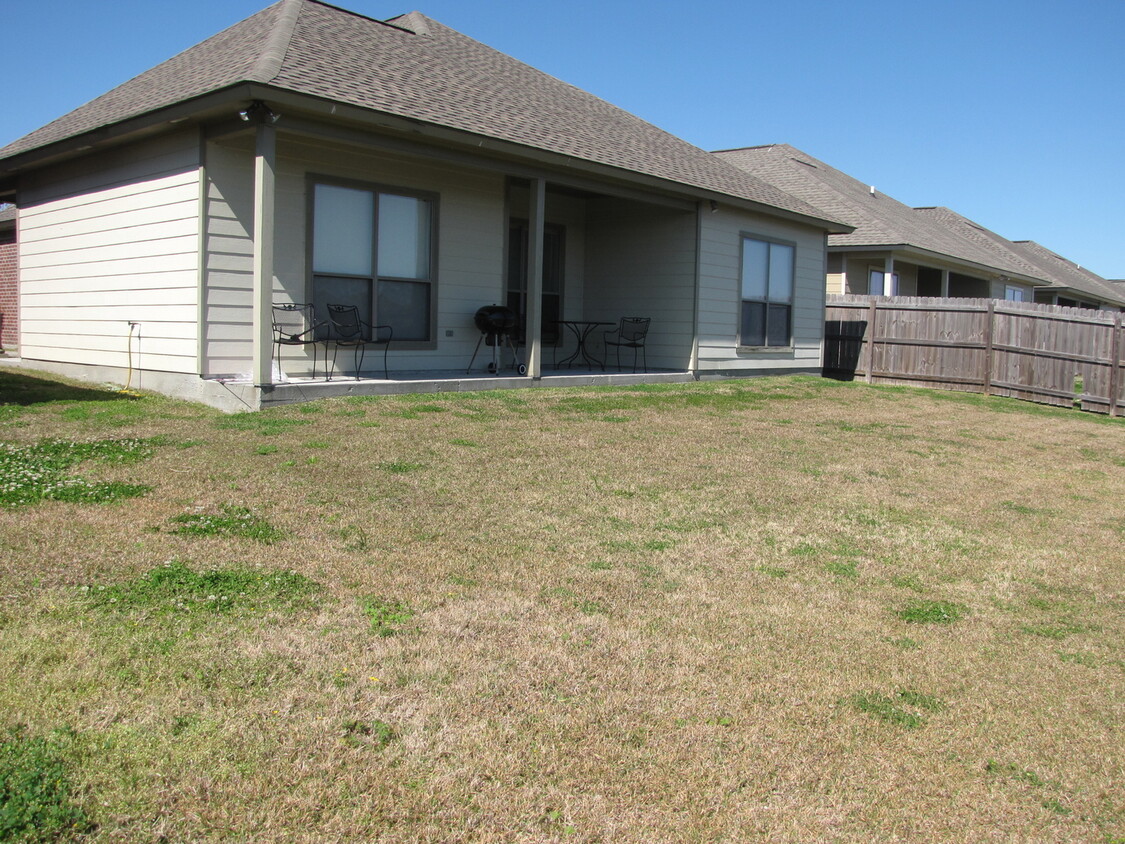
376, 189
742, 301
882, 273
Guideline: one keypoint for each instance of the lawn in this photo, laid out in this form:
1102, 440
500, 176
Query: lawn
773, 609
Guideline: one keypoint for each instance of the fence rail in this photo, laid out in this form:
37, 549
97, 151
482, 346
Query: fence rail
1041, 353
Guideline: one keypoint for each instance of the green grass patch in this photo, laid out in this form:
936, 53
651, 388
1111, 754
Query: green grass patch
1057, 631
232, 521
375, 734
388, 616
842, 568
399, 467
932, 612
36, 796
34, 473
174, 588
772, 571
264, 422
904, 708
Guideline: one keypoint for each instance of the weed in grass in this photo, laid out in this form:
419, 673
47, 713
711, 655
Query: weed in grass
36, 802
772, 571
233, 521
464, 442
266, 449
804, 549
354, 538
29, 474
376, 734
317, 444
909, 581
1022, 509
175, 588
903, 644
588, 607
933, 612
1054, 631
658, 545
1055, 806
388, 616
461, 580
600, 565
904, 708
1078, 659
1015, 772
842, 568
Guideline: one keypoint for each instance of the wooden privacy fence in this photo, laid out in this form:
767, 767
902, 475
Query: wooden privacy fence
1041, 353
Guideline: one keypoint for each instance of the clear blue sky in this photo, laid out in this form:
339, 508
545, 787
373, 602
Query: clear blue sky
1010, 112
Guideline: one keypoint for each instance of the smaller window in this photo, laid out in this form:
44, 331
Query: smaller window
876, 285
767, 293
1014, 294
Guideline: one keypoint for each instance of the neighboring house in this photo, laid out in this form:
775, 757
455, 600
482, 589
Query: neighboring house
893, 250
1067, 283
1073, 286
9, 280
312, 154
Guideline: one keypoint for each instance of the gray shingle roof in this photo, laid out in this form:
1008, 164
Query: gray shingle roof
416, 68
880, 221
1064, 273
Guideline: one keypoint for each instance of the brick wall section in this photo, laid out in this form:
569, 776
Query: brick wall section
9, 292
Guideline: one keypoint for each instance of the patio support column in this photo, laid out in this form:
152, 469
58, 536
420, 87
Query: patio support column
945, 284
889, 276
537, 207
265, 168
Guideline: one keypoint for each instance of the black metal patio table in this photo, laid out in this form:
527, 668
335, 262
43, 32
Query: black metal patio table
581, 329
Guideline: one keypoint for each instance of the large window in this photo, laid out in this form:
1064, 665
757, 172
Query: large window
767, 293
374, 248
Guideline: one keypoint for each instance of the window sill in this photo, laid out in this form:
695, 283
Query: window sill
764, 350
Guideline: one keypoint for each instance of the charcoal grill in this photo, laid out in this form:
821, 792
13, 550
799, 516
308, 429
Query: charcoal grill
498, 326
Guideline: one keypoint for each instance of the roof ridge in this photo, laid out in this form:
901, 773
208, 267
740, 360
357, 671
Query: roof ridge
273, 53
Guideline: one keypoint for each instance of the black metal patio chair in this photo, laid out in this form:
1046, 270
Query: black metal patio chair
295, 325
630, 333
350, 331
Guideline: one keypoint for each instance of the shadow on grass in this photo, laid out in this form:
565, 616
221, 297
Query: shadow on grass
26, 390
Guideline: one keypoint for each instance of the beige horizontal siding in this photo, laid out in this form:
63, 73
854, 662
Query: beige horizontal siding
720, 293
108, 240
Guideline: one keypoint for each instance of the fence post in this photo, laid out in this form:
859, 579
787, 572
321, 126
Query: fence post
988, 347
871, 312
1114, 367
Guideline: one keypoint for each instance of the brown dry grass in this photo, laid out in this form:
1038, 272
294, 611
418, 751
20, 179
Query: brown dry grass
640, 615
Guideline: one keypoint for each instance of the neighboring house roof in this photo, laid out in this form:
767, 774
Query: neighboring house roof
7, 217
880, 222
415, 68
1064, 273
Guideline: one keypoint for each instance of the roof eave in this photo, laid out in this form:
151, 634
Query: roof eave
910, 249
124, 131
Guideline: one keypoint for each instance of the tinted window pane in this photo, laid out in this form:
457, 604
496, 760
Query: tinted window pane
342, 229
405, 306
753, 324
778, 333
781, 272
404, 237
328, 290
755, 268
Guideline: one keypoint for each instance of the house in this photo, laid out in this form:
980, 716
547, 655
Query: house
9, 279
894, 249
1067, 283
309, 154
